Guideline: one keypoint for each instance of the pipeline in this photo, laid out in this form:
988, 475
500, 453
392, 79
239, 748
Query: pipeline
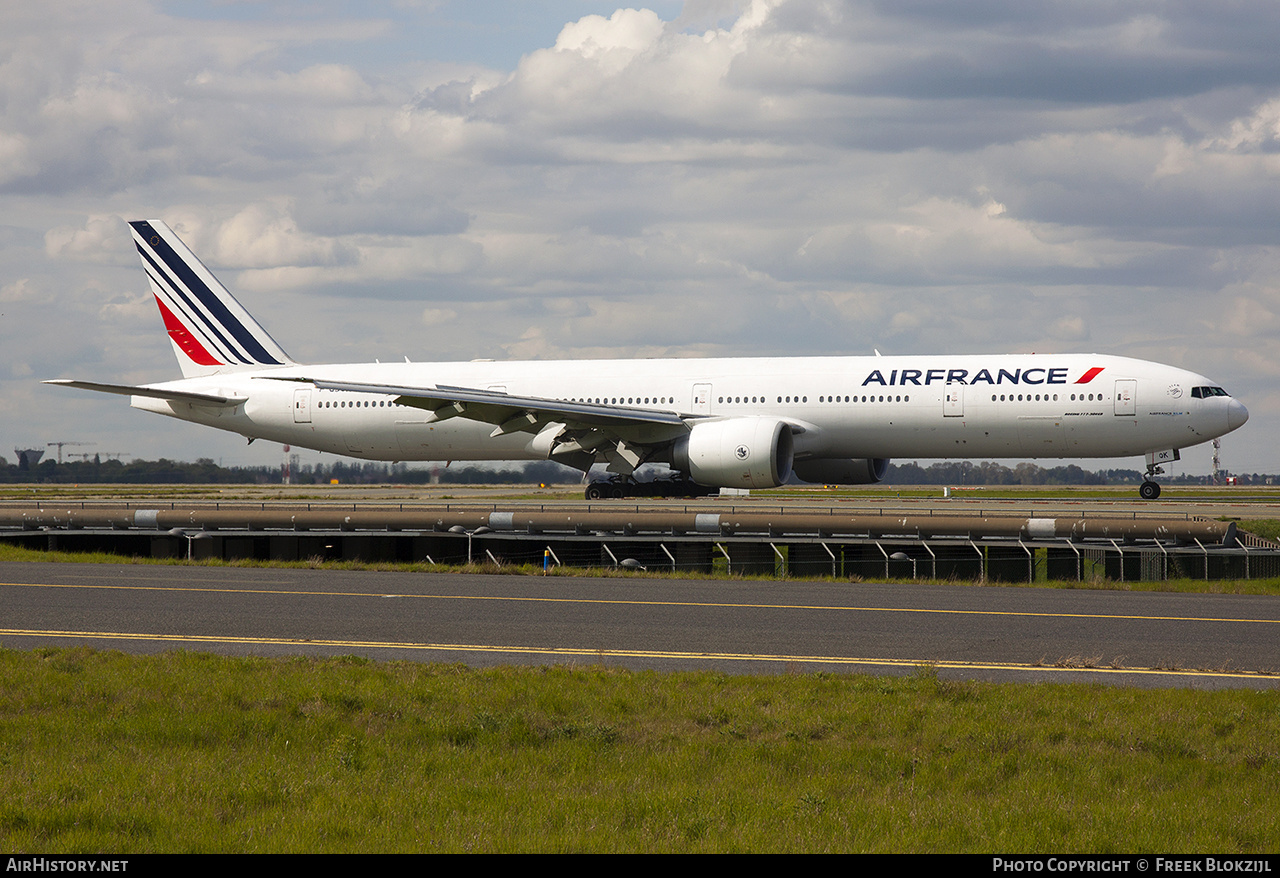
623, 522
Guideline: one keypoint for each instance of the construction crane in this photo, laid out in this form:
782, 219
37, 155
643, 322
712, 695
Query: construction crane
60, 444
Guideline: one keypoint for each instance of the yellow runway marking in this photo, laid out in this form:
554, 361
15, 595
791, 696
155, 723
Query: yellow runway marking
637, 603
572, 652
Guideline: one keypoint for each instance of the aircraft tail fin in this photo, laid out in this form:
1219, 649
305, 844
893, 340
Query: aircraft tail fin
211, 332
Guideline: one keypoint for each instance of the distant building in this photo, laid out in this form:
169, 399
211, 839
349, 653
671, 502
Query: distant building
28, 457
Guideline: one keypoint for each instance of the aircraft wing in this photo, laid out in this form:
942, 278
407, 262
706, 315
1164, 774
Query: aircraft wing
625, 435
500, 408
153, 392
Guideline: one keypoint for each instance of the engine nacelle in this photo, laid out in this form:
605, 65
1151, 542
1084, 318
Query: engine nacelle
858, 471
737, 453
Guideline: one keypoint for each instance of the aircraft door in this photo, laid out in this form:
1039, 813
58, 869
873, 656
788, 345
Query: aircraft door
701, 399
953, 401
1126, 396
302, 406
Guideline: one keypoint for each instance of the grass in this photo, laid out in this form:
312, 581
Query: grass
50, 491
102, 752
1267, 528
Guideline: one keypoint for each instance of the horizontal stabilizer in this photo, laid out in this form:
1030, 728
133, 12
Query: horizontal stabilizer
153, 392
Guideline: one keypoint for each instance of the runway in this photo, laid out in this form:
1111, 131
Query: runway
1154, 639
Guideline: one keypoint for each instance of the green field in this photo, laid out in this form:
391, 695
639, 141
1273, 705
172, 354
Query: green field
103, 752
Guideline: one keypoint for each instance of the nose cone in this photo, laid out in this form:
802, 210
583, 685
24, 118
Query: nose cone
1237, 414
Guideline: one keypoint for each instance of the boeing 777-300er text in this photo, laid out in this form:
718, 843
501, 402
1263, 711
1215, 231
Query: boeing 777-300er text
723, 423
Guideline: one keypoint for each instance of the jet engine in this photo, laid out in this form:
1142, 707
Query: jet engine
858, 471
736, 453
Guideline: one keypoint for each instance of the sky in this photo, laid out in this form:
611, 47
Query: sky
454, 180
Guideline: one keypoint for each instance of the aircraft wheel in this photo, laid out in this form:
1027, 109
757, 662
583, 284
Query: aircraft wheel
595, 491
1149, 491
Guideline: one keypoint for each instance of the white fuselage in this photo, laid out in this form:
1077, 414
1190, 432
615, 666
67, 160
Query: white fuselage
1011, 406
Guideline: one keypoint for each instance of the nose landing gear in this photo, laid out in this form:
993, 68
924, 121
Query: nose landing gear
1150, 490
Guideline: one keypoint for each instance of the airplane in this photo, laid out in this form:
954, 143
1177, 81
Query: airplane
721, 423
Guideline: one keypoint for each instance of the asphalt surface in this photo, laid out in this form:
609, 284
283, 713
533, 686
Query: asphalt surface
1023, 634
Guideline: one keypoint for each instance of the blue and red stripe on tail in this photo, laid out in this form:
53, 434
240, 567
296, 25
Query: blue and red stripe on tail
211, 331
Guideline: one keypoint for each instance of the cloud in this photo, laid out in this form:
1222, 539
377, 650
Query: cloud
611, 42
21, 290
266, 236
99, 239
762, 177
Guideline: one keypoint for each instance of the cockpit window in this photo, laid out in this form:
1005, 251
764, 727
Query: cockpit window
1206, 392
